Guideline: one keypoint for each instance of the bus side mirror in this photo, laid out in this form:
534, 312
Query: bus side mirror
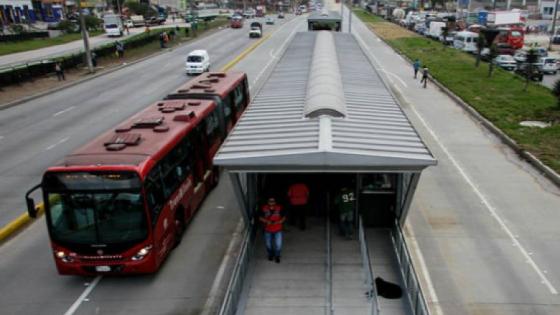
31, 210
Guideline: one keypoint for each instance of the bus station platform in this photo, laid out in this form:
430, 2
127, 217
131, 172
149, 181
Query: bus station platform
325, 118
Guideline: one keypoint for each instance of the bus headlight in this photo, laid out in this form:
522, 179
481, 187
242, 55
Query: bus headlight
142, 253
62, 256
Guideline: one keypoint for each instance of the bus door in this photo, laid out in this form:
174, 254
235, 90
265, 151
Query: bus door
160, 213
199, 162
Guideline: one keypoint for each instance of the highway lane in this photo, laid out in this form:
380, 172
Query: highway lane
30, 282
38, 133
483, 224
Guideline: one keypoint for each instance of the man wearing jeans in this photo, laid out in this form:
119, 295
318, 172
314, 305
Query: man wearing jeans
272, 216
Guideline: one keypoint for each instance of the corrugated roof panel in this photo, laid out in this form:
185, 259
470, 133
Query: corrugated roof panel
274, 135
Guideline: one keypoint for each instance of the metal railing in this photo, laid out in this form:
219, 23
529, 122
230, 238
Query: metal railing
235, 286
413, 288
368, 269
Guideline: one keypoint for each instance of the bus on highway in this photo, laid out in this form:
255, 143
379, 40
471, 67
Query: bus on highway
119, 204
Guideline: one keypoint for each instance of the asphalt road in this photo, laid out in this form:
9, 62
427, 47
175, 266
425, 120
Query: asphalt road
483, 226
38, 133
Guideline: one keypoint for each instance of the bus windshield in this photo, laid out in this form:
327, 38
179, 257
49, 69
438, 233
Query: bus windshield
89, 208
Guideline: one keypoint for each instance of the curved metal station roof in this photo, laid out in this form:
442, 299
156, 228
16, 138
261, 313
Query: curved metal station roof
368, 133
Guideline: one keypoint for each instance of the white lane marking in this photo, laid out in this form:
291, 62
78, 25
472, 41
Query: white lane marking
220, 207
83, 297
273, 57
428, 280
396, 76
64, 111
54, 145
491, 209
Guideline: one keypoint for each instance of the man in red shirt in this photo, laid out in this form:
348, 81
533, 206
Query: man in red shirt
272, 216
298, 195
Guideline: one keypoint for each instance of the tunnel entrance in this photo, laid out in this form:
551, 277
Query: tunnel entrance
375, 194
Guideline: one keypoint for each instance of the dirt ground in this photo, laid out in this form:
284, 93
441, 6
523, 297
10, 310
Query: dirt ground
390, 31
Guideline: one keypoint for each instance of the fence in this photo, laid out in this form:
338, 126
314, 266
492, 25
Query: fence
368, 269
415, 294
235, 286
28, 71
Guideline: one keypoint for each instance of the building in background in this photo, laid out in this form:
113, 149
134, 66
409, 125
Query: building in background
16, 11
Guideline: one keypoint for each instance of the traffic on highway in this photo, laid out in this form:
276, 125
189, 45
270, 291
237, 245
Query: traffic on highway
288, 161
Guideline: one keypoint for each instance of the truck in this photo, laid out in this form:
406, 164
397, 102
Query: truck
113, 25
500, 18
436, 29
513, 36
261, 11
137, 20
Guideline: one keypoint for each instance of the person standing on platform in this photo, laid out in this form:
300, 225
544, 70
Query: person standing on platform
298, 195
345, 201
272, 216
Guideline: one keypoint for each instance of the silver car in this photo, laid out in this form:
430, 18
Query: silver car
506, 62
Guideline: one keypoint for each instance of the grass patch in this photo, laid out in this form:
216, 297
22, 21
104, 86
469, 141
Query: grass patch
501, 98
32, 44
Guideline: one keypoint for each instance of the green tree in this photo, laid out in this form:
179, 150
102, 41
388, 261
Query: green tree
556, 91
480, 44
529, 64
492, 54
137, 8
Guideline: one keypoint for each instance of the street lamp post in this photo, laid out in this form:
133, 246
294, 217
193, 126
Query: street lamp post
85, 37
553, 25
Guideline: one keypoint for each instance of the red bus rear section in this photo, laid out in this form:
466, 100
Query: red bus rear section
119, 204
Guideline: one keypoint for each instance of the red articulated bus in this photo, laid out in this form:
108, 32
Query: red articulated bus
119, 204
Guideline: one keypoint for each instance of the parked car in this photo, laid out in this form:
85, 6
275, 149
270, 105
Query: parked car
536, 73
129, 23
521, 54
269, 20
198, 61
155, 21
505, 62
249, 14
549, 65
280, 15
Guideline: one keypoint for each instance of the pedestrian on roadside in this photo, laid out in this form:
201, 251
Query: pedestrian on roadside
161, 40
94, 59
120, 49
345, 200
416, 66
298, 195
59, 71
424, 76
272, 217
126, 29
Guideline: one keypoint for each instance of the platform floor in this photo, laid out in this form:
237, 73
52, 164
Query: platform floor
298, 284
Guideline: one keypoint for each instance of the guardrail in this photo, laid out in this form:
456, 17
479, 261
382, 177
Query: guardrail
235, 286
368, 269
413, 288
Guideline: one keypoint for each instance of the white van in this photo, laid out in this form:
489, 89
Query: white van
197, 62
436, 29
466, 41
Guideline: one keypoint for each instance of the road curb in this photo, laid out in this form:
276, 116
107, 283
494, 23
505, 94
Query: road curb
219, 285
14, 226
96, 75
526, 155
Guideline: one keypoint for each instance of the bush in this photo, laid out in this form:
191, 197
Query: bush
93, 23
67, 26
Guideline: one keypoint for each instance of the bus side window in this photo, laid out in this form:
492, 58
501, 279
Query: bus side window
154, 193
228, 109
239, 97
212, 127
198, 152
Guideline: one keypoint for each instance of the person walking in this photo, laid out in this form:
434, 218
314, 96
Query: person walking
59, 71
162, 40
345, 202
416, 66
120, 49
298, 195
424, 76
94, 59
272, 217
